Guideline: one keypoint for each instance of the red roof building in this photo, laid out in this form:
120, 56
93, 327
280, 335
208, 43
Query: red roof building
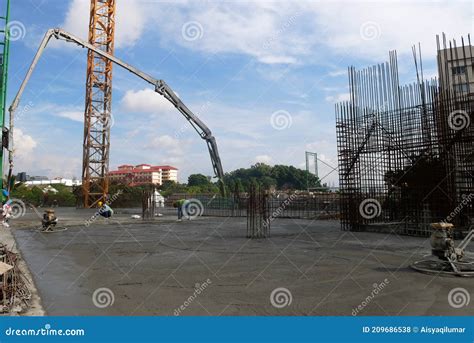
143, 174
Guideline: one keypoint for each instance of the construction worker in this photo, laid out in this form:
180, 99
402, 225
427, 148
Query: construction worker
6, 213
105, 210
5, 209
180, 204
5, 196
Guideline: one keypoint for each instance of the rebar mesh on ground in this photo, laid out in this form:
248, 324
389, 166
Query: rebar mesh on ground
13, 289
302, 205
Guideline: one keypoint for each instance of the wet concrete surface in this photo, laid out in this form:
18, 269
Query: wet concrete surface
206, 266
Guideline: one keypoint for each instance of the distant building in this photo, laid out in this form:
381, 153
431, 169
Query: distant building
22, 177
456, 69
38, 178
169, 173
143, 174
55, 181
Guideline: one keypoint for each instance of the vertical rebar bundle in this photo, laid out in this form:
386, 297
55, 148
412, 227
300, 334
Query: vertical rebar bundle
406, 152
258, 219
149, 206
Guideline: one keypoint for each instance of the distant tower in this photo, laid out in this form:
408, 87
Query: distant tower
97, 114
311, 156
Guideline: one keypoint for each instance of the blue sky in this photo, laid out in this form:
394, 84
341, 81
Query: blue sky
263, 75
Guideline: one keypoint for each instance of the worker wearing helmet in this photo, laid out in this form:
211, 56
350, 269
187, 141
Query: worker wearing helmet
105, 210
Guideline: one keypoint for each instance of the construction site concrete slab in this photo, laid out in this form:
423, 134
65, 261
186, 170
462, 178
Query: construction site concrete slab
206, 266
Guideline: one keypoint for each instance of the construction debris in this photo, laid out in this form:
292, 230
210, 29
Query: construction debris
15, 295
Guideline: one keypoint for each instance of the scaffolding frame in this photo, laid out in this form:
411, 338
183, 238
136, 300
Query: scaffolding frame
405, 158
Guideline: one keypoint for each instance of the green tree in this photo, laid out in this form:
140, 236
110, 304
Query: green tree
198, 180
280, 176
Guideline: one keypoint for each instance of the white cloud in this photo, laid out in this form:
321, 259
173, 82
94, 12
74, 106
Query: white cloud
166, 144
303, 32
251, 28
73, 115
130, 21
31, 157
338, 98
336, 73
370, 29
147, 101
308, 31
24, 144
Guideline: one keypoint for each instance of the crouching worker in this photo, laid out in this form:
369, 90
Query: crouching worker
179, 204
49, 220
105, 210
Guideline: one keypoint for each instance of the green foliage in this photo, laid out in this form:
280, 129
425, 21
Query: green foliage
198, 180
199, 183
169, 187
279, 176
125, 196
35, 195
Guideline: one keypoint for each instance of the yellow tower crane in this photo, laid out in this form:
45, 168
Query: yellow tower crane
97, 114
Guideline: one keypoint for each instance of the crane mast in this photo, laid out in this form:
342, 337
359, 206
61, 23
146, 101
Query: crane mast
97, 114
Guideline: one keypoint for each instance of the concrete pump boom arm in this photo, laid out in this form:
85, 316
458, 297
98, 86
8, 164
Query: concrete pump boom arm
161, 87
